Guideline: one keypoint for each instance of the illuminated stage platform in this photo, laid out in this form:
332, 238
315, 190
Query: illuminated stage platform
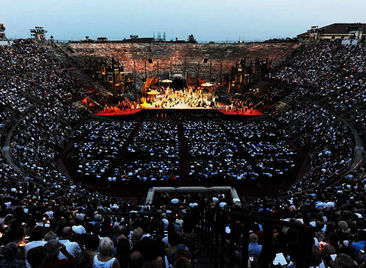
253, 112
182, 107
120, 112
183, 100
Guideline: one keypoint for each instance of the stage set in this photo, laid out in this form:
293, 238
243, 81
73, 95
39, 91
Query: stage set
191, 98
191, 86
253, 112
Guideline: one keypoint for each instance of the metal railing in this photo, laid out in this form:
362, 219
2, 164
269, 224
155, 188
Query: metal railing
228, 247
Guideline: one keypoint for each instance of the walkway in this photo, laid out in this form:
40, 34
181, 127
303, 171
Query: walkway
183, 154
358, 150
5, 148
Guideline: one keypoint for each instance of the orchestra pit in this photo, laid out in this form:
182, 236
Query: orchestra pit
155, 154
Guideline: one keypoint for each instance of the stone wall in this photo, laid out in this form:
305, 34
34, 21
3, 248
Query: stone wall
182, 58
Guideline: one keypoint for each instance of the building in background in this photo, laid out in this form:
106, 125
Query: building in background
335, 31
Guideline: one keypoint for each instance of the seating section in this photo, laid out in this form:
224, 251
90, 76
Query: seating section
322, 117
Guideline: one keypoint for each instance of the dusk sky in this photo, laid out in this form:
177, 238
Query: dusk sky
207, 20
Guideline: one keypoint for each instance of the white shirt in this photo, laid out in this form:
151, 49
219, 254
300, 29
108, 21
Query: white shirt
80, 216
34, 244
100, 264
50, 214
166, 223
72, 247
165, 241
30, 245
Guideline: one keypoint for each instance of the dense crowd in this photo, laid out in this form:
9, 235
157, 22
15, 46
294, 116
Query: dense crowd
97, 144
237, 150
5, 118
337, 213
214, 149
330, 70
47, 220
265, 145
333, 74
328, 141
154, 153
39, 136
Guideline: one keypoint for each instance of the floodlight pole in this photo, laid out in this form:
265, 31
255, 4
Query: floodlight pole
157, 71
134, 77
198, 72
145, 71
210, 71
171, 69
221, 75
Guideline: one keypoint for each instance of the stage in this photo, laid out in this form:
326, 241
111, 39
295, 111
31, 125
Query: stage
221, 109
249, 112
117, 112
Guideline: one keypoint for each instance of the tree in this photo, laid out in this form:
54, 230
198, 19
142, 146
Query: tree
191, 39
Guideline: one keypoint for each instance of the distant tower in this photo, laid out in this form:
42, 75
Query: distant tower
2, 32
38, 33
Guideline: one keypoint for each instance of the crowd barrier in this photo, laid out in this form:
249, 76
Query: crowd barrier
193, 189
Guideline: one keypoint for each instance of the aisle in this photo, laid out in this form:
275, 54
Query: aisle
183, 159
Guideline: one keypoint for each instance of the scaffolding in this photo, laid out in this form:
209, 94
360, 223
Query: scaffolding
2, 32
38, 33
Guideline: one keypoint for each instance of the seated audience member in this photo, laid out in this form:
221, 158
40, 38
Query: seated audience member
343, 261
254, 249
53, 248
10, 253
36, 257
104, 257
72, 247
